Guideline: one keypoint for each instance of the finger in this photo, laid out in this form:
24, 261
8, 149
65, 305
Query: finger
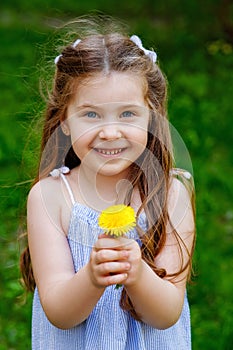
112, 268
104, 255
104, 242
115, 279
105, 281
113, 243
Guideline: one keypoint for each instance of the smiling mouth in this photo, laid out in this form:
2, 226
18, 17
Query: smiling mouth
108, 152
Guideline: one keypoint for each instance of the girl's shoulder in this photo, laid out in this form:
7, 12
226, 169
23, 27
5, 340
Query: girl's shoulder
57, 189
181, 198
181, 180
49, 198
45, 186
49, 190
53, 184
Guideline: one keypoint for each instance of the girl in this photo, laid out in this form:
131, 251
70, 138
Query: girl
105, 141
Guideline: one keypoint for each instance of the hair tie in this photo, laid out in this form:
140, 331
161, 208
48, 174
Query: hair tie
73, 45
136, 40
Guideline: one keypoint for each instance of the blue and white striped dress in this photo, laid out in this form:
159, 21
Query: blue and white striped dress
108, 327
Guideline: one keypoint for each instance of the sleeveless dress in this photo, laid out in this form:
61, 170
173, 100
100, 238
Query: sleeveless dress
108, 327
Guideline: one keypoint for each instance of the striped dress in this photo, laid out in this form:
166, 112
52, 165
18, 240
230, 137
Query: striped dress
108, 327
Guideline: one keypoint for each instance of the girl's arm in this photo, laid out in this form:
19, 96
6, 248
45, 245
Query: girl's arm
66, 297
159, 301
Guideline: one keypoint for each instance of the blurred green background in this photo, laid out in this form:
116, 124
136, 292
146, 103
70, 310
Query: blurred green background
194, 42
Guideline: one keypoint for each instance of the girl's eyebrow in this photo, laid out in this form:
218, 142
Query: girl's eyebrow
85, 105
121, 105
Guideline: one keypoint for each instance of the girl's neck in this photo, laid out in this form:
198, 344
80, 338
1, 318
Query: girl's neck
99, 191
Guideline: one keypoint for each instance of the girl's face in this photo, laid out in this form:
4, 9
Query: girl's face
108, 121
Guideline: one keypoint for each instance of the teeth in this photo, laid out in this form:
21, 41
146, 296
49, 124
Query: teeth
113, 152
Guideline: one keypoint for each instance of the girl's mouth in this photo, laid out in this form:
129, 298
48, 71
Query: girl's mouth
109, 152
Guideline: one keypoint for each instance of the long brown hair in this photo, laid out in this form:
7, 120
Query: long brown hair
104, 53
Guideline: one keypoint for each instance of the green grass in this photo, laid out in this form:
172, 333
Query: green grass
198, 62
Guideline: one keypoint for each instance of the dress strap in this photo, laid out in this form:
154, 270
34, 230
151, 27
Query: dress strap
180, 172
61, 172
64, 179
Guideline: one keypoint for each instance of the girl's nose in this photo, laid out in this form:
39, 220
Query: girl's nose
110, 132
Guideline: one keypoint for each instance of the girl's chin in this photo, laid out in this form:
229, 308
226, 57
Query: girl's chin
111, 169
113, 172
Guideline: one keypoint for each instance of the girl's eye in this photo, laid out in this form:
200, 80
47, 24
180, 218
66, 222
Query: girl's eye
127, 114
91, 115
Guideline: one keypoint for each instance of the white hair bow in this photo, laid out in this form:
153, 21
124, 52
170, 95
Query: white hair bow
136, 40
73, 45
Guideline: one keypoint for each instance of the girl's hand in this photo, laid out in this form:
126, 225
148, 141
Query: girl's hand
114, 261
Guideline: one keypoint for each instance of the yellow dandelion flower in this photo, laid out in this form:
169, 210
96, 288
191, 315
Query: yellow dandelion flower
117, 219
